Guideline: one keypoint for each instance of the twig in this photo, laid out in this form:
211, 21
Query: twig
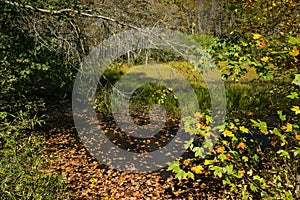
69, 11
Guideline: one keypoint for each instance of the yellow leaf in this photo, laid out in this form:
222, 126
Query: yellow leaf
297, 137
197, 169
256, 36
93, 181
241, 173
265, 59
199, 115
68, 169
232, 126
208, 162
228, 133
223, 63
296, 109
294, 52
244, 129
289, 127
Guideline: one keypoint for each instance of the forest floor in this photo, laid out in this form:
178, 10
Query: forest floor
87, 178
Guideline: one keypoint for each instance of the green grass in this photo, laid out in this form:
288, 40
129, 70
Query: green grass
247, 96
22, 172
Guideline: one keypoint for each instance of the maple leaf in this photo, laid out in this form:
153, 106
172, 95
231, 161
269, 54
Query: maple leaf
241, 145
296, 109
256, 36
296, 81
243, 129
228, 133
232, 126
208, 162
220, 149
294, 40
265, 59
241, 173
294, 52
288, 127
293, 95
197, 169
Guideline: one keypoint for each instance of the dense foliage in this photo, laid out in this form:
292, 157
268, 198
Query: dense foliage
43, 42
258, 161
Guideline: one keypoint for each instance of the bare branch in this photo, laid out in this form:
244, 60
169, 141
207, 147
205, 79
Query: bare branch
70, 12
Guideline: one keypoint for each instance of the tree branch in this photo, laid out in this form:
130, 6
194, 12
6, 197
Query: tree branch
70, 12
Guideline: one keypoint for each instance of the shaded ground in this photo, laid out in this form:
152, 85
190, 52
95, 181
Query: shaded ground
88, 179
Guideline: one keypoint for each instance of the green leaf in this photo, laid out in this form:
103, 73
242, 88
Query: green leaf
283, 153
261, 125
253, 188
222, 157
181, 174
296, 80
293, 95
3, 115
296, 151
199, 152
245, 158
255, 157
208, 143
208, 162
277, 132
228, 169
190, 175
294, 40
250, 172
174, 166
281, 116
217, 171
263, 194
189, 144
208, 119
257, 177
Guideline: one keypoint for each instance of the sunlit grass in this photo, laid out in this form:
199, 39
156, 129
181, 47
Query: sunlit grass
249, 95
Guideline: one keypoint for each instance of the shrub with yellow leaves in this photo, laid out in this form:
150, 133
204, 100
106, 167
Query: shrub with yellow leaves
246, 167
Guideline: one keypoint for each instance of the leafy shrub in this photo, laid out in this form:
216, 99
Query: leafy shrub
271, 56
29, 74
254, 162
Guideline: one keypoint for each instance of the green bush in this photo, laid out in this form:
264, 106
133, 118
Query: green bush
30, 73
261, 164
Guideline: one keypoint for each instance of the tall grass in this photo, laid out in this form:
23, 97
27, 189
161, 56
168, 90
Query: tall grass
248, 95
22, 174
